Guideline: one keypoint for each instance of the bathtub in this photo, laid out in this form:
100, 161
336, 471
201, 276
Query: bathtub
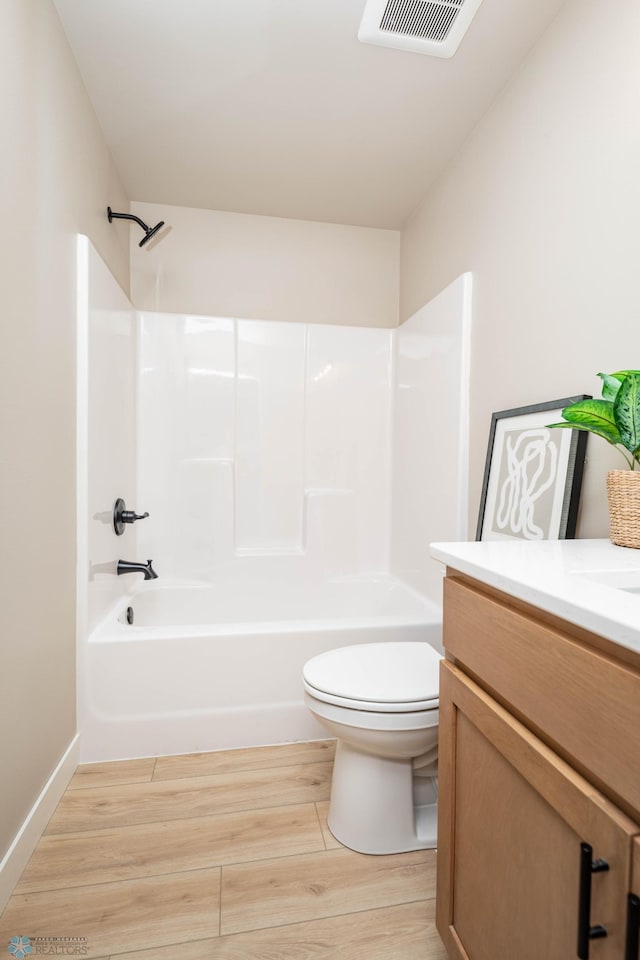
209, 667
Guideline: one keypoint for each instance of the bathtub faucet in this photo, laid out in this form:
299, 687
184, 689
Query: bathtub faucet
128, 566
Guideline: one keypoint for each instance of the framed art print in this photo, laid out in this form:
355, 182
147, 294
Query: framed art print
532, 476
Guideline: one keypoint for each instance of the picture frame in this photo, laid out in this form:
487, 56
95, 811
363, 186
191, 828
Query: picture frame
533, 475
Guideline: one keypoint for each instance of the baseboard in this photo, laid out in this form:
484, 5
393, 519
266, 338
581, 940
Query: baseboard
18, 854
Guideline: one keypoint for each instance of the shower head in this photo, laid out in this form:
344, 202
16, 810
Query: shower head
149, 231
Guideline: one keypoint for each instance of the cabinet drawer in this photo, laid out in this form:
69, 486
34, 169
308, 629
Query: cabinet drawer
583, 702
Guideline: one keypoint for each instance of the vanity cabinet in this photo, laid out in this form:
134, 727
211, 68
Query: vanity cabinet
539, 785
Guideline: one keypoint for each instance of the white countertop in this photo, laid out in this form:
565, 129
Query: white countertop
573, 579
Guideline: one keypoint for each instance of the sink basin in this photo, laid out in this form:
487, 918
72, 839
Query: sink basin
627, 580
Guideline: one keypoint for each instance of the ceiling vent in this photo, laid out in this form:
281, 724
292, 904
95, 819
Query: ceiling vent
434, 27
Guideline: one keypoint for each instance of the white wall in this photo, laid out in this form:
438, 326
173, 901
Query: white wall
263, 439
431, 435
56, 180
542, 205
237, 265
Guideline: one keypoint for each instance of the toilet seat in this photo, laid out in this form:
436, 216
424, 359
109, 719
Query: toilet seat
391, 677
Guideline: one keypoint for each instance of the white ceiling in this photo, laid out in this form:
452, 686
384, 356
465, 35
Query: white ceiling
274, 107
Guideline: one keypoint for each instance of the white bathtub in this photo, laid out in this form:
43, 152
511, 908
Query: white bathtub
212, 667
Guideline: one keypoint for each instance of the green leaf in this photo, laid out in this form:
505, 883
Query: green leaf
610, 385
594, 415
623, 374
590, 409
611, 382
626, 411
597, 431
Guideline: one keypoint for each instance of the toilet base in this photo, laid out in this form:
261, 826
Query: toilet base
373, 805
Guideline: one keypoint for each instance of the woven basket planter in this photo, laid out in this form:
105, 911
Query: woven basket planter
623, 491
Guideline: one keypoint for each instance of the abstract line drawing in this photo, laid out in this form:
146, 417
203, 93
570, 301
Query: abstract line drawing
532, 462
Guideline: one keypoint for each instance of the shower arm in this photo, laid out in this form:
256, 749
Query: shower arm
127, 216
148, 231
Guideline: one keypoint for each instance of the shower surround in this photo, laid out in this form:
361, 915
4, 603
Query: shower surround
294, 475
268, 440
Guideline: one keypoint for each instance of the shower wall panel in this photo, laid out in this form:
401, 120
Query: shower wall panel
270, 427
186, 439
259, 438
347, 443
106, 432
430, 435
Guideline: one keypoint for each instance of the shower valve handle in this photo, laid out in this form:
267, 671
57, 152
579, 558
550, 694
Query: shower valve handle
130, 516
121, 516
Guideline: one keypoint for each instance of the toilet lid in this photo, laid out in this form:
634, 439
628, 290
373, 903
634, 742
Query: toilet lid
376, 673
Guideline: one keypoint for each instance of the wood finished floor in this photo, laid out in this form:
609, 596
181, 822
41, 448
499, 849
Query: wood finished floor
219, 856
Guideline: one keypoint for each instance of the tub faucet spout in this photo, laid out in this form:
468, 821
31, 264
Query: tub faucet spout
129, 566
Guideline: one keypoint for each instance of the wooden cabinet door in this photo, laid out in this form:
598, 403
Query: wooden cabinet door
512, 818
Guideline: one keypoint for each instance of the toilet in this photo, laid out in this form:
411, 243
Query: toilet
380, 700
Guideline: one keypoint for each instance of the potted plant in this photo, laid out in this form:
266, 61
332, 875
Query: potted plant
616, 418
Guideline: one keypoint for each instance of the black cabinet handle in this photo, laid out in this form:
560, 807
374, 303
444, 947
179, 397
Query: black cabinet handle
633, 927
585, 931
